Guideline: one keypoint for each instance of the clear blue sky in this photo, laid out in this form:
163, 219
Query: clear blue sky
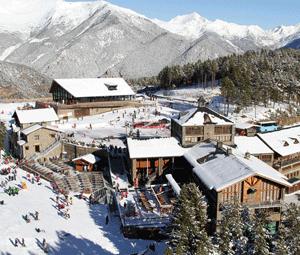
266, 13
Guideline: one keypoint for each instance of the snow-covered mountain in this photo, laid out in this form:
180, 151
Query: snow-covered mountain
193, 26
19, 81
87, 39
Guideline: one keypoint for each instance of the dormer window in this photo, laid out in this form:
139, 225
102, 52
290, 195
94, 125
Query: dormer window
285, 144
296, 141
111, 86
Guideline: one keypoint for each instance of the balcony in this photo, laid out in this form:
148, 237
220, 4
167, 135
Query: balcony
265, 204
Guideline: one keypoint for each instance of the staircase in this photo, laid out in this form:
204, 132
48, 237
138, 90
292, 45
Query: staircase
46, 151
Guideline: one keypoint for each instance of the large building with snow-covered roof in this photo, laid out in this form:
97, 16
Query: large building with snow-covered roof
286, 146
74, 98
226, 175
150, 158
72, 91
200, 124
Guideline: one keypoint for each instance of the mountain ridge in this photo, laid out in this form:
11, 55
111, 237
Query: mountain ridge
88, 39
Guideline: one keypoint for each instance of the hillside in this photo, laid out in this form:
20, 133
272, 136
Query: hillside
87, 39
19, 81
252, 77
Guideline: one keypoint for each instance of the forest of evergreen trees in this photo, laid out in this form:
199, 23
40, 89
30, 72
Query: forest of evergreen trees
240, 233
256, 76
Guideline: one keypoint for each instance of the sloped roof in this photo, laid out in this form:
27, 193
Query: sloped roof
154, 148
252, 145
199, 116
222, 170
36, 115
95, 87
245, 125
284, 142
90, 158
29, 130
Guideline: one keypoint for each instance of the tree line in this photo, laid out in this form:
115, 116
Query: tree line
254, 77
240, 232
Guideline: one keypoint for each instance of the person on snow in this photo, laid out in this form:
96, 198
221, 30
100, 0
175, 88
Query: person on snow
36, 216
16, 242
23, 242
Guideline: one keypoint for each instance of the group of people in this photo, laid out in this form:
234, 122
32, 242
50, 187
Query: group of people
34, 215
34, 178
62, 204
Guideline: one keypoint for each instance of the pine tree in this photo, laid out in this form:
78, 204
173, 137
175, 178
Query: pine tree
189, 236
260, 236
231, 239
228, 91
292, 223
280, 243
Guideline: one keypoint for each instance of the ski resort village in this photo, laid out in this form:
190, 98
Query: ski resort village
99, 169
149, 134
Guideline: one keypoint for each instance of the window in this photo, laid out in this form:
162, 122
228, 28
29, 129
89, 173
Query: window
27, 148
37, 148
111, 86
36, 137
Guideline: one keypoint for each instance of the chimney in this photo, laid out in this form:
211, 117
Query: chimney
219, 146
247, 155
229, 151
206, 118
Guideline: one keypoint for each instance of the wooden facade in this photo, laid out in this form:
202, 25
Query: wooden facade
255, 192
189, 135
83, 166
288, 165
149, 169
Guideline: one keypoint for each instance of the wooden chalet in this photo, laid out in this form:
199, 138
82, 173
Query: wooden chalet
86, 163
200, 124
150, 158
225, 175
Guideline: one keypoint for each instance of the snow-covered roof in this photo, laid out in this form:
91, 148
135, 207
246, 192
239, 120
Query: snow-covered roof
174, 184
252, 145
90, 158
284, 142
96, 87
199, 151
223, 170
36, 115
154, 148
36, 127
21, 142
245, 125
200, 116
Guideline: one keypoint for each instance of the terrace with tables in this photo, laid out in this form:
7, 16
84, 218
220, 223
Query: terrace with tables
148, 207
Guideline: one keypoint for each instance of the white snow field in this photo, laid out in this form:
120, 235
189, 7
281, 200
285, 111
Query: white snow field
113, 124
85, 232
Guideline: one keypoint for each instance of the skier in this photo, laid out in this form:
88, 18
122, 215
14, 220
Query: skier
45, 246
36, 217
23, 242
